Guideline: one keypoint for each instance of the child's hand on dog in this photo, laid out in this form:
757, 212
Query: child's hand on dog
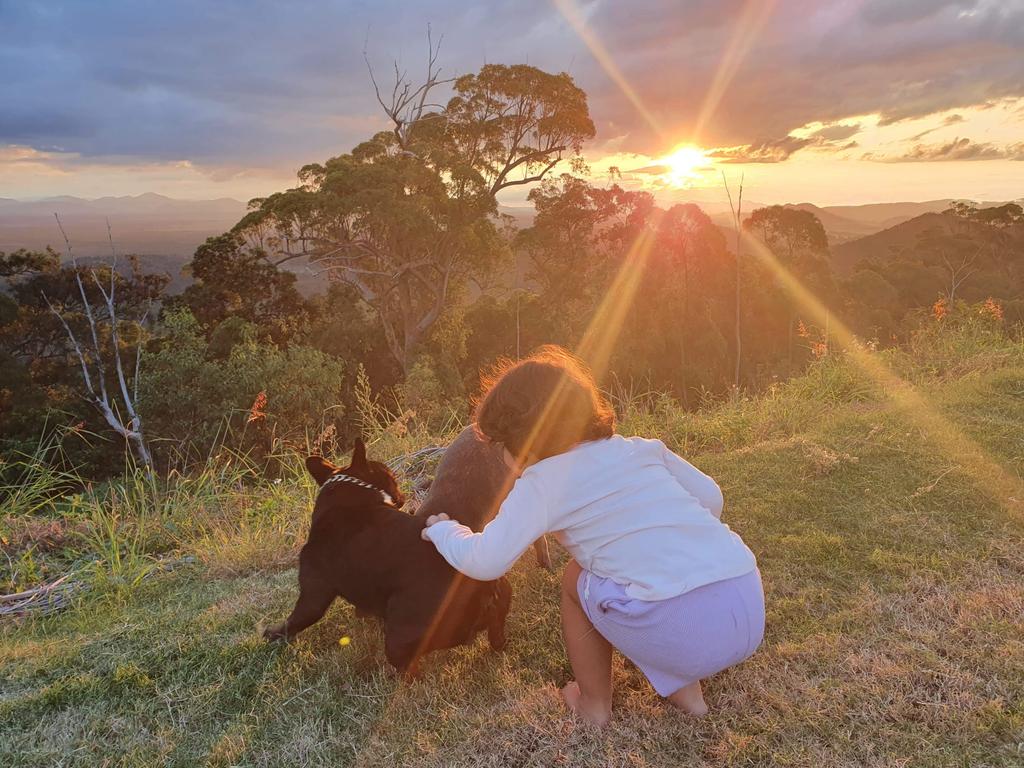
430, 521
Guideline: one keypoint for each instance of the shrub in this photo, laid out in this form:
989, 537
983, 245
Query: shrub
192, 396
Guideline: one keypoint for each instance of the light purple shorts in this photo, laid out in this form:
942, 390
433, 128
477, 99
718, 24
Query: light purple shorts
682, 639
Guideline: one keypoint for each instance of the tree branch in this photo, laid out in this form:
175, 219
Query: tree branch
101, 373
74, 343
500, 183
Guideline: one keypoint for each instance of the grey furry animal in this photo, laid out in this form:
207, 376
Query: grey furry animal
470, 483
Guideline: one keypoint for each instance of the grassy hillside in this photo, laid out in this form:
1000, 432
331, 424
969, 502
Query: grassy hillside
894, 579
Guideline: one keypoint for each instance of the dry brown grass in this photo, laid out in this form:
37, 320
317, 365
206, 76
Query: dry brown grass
895, 594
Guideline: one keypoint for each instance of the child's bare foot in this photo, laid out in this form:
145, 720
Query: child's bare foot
595, 714
690, 699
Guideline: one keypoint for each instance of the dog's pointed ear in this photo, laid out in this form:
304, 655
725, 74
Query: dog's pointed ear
320, 468
359, 455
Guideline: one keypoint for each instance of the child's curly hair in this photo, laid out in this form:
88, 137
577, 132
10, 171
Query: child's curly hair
542, 405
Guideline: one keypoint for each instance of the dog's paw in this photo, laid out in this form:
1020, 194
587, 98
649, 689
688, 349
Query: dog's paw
410, 674
275, 634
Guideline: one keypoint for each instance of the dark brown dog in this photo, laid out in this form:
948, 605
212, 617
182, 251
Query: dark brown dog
363, 548
469, 485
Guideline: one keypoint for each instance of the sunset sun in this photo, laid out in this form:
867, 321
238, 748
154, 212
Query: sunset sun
682, 167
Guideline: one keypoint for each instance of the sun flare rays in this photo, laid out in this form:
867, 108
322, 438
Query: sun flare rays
745, 33
682, 167
574, 16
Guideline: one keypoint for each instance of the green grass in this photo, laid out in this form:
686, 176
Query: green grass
895, 595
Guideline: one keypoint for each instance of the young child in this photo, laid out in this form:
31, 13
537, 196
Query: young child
654, 570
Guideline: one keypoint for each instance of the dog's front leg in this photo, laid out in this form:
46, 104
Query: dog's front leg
402, 652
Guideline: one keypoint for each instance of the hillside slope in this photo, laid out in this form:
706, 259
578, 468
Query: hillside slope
846, 223
884, 215
903, 236
840, 229
895, 594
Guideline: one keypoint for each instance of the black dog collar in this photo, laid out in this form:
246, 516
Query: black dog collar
343, 478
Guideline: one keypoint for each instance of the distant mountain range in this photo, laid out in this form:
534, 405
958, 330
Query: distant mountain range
155, 225
149, 202
165, 231
844, 223
148, 224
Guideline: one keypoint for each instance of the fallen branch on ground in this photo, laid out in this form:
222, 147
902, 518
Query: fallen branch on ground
42, 600
60, 593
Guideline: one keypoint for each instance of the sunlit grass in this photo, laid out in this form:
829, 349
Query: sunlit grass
943, 434
894, 589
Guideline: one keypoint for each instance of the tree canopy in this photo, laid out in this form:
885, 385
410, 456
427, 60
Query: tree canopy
408, 216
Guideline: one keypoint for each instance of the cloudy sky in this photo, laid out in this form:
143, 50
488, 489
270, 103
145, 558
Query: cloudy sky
832, 101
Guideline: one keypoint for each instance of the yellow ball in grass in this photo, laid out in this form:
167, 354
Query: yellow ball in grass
344, 641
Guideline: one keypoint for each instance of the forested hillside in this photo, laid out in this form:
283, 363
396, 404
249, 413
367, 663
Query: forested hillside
421, 324
423, 281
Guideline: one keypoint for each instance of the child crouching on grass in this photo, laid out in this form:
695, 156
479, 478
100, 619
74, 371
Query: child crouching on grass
654, 571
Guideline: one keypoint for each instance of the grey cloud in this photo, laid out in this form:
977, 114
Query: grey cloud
828, 138
950, 120
958, 149
22, 126
235, 84
811, 62
264, 84
837, 132
774, 151
652, 170
886, 12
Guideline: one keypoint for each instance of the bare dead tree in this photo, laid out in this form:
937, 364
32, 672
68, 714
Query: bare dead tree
406, 104
96, 389
959, 272
512, 124
737, 220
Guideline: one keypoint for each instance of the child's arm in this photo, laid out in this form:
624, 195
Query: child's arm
696, 483
521, 520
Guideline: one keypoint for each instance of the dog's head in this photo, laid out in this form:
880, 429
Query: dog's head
372, 472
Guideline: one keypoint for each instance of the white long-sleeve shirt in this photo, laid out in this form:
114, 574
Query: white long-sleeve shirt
627, 509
